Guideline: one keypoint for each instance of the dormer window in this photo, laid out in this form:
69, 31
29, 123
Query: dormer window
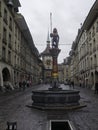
10, 3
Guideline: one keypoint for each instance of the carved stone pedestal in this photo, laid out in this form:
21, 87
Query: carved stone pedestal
61, 99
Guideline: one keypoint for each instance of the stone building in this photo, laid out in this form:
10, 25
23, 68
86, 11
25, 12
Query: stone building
61, 73
66, 68
85, 51
18, 55
74, 62
88, 49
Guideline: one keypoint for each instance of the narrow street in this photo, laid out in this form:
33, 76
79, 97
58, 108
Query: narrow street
13, 108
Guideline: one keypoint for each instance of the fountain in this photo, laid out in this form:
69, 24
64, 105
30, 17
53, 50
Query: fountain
55, 98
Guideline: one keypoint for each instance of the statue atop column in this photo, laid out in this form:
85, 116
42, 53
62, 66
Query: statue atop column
55, 38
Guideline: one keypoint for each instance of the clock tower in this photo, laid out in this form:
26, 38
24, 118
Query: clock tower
47, 61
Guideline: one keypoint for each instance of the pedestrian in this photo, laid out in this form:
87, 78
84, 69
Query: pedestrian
24, 84
20, 85
28, 84
72, 84
96, 88
80, 83
69, 82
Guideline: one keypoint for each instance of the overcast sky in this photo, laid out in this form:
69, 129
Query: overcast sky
67, 16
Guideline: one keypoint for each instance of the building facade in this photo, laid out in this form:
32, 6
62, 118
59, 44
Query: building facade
18, 55
67, 69
84, 58
61, 73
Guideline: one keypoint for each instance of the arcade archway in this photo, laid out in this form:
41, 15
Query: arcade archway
6, 75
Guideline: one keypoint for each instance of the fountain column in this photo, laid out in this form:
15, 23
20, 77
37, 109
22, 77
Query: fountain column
55, 78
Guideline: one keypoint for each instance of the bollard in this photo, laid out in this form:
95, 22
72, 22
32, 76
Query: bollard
11, 126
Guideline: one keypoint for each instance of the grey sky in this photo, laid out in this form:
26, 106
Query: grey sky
67, 15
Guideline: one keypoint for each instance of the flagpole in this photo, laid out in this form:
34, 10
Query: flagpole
51, 22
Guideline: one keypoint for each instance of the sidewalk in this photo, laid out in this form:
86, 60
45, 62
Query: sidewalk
12, 93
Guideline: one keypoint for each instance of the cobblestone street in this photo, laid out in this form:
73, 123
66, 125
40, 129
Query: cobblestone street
13, 108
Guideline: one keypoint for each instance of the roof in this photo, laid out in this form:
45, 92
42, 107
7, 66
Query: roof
92, 15
47, 50
25, 31
16, 3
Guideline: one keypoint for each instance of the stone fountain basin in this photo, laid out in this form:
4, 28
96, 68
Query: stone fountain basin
61, 98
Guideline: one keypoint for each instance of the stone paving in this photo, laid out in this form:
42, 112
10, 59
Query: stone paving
13, 108
86, 118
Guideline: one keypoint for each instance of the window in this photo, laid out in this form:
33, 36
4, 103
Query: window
95, 61
0, 9
91, 62
94, 45
87, 62
97, 27
9, 56
9, 38
19, 35
15, 31
9, 44
3, 53
93, 31
15, 46
10, 23
89, 36
15, 59
4, 35
90, 48
5, 16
